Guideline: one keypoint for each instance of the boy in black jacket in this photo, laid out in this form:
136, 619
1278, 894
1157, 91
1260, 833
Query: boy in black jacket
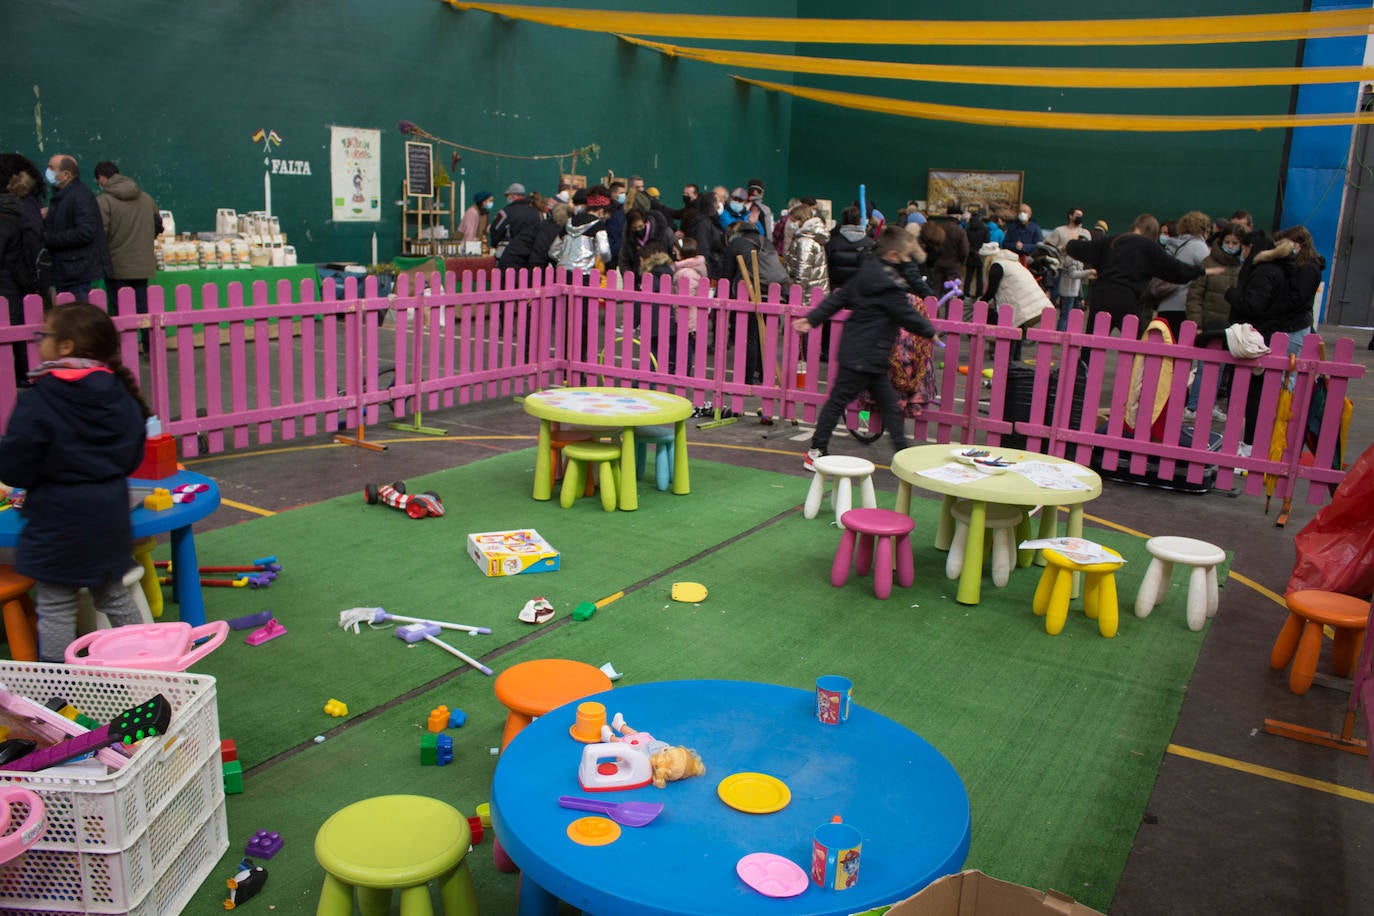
878, 303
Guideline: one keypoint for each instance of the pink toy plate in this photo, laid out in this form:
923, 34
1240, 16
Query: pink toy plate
153, 646
771, 875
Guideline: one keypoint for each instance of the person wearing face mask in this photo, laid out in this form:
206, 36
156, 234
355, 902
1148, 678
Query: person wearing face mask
473, 226
736, 208
686, 216
1206, 305
1024, 234
516, 220
759, 211
1188, 245
615, 219
73, 231
879, 304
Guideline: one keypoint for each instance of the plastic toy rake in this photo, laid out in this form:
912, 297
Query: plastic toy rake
352, 618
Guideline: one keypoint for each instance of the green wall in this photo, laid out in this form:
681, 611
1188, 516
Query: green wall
1111, 176
173, 92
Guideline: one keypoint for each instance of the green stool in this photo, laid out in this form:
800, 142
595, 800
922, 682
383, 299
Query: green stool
581, 455
395, 842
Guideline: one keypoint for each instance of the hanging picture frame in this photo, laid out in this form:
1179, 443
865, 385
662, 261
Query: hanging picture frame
970, 189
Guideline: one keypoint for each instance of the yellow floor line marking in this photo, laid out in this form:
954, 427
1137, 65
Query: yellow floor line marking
1271, 595
266, 513
1305, 782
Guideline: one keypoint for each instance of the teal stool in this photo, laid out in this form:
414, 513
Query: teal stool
395, 843
581, 455
662, 439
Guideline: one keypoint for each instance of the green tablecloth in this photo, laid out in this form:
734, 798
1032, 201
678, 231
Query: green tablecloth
196, 279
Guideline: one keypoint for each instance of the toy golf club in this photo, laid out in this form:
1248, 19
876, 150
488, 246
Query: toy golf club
354, 616
429, 632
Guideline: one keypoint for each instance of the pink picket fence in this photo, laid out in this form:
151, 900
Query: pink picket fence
243, 373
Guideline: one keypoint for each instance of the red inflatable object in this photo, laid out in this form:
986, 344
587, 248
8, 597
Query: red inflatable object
1336, 549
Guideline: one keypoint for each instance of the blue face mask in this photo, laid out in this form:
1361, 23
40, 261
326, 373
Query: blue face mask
51, 176
1229, 250
737, 206
620, 198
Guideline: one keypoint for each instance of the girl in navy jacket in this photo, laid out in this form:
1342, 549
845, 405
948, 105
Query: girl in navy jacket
73, 439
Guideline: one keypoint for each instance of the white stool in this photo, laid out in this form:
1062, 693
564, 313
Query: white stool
1202, 582
1002, 522
88, 620
843, 468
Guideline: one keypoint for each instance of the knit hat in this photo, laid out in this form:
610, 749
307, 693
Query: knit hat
481, 196
652, 192
596, 200
516, 188
1102, 224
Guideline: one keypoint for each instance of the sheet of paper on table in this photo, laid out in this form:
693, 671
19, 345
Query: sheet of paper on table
953, 473
1050, 476
1078, 550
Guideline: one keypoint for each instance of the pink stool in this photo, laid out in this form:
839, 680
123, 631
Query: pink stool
892, 532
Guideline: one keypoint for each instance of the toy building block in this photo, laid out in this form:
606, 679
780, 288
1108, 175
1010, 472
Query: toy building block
457, 718
476, 829
268, 563
158, 500
429, 749
443, 750
264, 845
233, 778
228, 750
270, 630
584, 611
438, 719
250, 621
159, 459
336, 709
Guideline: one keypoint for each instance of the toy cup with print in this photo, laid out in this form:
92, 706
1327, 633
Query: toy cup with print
835, 850
833, 697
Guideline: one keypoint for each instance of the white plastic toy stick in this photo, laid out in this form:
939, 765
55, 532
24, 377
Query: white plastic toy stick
428, 632
354, 616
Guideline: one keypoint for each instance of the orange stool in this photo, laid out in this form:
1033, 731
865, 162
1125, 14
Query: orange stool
1300, 640
21, 620
534, 688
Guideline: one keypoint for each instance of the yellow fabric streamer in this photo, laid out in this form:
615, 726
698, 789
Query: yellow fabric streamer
1040, 32
1056, 77
1056, 120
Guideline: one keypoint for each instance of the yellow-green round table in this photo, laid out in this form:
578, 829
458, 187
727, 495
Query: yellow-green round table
612, 408
1005, 489
395, 843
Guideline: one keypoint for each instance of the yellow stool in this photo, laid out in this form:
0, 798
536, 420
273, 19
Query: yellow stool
152, 589
581, 455
1099, 592
395, 842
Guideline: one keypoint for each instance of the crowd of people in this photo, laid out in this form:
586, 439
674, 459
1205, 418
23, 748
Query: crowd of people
1214, 272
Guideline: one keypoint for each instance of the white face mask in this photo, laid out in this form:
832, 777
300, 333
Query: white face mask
1023, 217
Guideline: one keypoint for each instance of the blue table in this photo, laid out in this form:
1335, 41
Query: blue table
146, 523
884, 779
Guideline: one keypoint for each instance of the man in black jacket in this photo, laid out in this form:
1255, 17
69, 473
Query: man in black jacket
878, 301
73, 231
517, 220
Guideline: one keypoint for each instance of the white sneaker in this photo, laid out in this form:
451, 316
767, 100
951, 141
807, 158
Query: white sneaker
809, 462
1218, 414
1189, 415
1243, 451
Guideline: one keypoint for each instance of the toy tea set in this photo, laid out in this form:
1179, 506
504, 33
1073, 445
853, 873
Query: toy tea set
619, 757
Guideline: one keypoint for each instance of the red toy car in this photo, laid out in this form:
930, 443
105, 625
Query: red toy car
419, 505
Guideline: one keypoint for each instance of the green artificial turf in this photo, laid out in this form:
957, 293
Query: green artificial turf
1058, 739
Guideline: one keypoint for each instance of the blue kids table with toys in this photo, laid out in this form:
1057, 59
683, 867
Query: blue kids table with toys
880, 777
178, 520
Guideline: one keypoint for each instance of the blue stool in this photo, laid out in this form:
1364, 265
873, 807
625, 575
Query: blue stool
662, 439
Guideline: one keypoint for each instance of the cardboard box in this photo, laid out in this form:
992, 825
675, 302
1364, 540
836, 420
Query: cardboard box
972, 893
512, 553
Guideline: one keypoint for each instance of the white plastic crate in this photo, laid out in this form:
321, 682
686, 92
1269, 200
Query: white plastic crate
111, 840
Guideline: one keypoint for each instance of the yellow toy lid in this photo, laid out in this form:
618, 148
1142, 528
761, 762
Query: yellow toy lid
689, 591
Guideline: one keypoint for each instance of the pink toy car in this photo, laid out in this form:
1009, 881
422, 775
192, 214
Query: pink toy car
419, 505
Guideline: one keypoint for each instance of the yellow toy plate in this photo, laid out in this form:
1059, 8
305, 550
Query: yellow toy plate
690, 592
593, 831
754, 793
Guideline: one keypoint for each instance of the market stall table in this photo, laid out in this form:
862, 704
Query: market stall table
1008, 488
888, 782
610, 408
169, 280
146, 523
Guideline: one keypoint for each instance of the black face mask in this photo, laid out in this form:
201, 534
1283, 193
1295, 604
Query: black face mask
1075, 221
686, 199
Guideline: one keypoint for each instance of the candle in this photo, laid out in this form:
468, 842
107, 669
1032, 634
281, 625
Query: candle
374, 248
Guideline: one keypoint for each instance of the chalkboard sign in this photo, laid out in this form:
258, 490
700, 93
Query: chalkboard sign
419, 169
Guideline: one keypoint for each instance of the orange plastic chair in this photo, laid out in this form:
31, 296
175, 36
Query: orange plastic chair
21, 620
1300, 640
534, 688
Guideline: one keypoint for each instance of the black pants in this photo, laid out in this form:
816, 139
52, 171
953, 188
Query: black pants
847, 385
140, 288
